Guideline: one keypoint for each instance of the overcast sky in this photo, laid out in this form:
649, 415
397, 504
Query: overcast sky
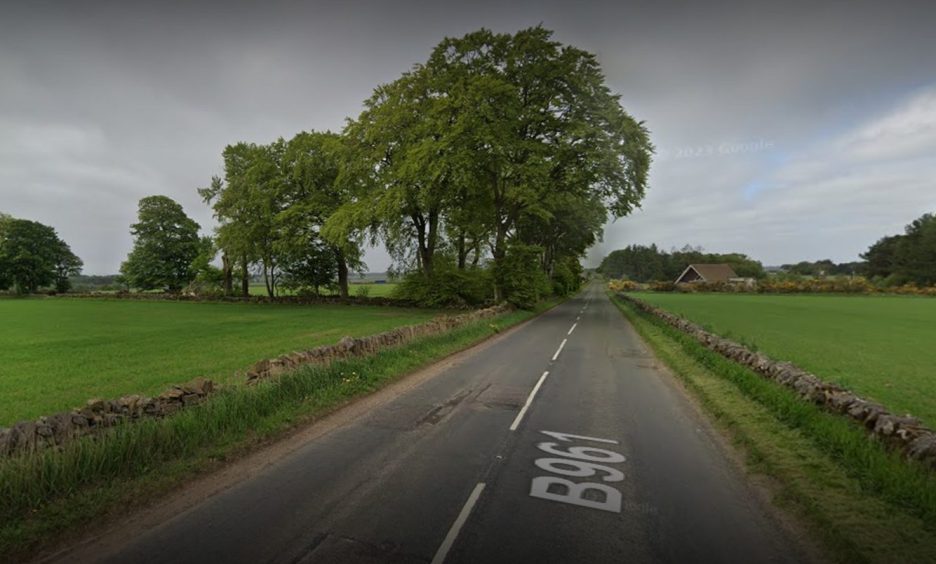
786, 131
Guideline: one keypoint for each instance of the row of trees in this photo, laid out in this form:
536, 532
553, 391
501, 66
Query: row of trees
486, 171
649, 263
907, 258
824, 267
32, 256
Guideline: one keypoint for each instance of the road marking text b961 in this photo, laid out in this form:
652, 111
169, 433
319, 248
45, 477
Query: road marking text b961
578, 462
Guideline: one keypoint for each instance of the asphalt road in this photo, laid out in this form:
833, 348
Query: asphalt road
606, 462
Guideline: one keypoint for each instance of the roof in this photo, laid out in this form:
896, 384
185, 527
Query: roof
711, 272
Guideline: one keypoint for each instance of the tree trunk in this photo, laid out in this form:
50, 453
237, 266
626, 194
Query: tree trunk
245, 277
267, 279
462, 251
227, 270
342, 273
431, 239
500, 252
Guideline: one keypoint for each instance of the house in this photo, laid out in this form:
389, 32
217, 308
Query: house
708, 273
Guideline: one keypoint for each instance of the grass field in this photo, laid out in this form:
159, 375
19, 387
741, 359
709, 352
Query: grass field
58, 353
860, 501
883, 348
94, 481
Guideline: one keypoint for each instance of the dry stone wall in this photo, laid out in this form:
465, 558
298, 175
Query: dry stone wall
351, 347
904, 432
97, 415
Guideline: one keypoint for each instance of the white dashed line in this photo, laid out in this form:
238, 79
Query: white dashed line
526, 406
457, 525
574, 325
559, 350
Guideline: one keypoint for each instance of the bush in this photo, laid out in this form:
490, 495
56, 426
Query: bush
521, 278
624, 286
566, 277
448, 286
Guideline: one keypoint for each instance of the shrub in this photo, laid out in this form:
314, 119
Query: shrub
521, 278
448, 286
362, 291
624, 286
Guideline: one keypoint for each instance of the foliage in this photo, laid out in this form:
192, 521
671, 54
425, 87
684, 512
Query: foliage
272, 204
500, 141
624, 286
645, 264
521, 277
449, 286
825, 267
907, 258
32, 256
567, 276
166, 243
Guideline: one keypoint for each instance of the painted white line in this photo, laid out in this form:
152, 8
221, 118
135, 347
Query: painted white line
574, 325
526, 406
578, 318
559, 350
440, 554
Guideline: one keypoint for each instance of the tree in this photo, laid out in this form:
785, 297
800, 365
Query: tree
911, 257
536, 118
320, 179
403, 167
272, 204
480, 139
32, 256
5, 280
916, 251
165, 246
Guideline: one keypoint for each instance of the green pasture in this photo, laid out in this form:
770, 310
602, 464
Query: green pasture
57, 353
882, 347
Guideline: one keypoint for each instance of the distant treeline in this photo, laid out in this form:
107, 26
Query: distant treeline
895, 260
905, 259
646, 264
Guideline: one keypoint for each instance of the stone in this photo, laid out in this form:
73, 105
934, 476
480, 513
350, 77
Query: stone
190, 399
199, 386
173, 393
97, 405
6, 441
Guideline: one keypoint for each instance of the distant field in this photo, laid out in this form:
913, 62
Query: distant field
373, 290
883, 348
57, 353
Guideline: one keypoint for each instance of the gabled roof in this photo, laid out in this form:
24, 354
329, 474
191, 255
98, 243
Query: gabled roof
710, 272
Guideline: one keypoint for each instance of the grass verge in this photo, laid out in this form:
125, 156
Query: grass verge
863, 503
51, 494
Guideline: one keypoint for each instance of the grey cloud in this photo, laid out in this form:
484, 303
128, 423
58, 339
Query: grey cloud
102, 103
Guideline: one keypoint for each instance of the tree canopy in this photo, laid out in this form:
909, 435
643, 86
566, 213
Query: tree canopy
644, 264
33, 256
906, 258
166, 244
493, 164
491, 143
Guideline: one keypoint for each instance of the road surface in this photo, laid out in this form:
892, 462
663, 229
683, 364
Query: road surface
561, 442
